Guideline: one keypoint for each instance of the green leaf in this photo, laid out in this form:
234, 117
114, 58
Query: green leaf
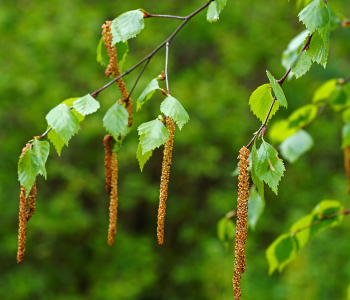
296, 145
127, 26
339, 99
28, 168
281, 252
318, 49
346, 135
226, 229
260, 102
325, 90
116, 121
280, 130
301, 65
122, 52
153, 134
315, 15
63, 121
293, 49
257, 181
69, 103
101, 54
86, 105
173, 108
143, 158
303, 116
269, 167
148, 93
56, 140
41, 151
214, 10
346, 115
256, 207
277, 89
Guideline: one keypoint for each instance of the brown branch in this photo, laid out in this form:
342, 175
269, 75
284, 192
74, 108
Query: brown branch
326, 217
149, 56
281, 81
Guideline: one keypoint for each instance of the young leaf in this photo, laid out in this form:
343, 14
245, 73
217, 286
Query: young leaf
147, 93
346, 135
302, 116
116, 121
127, 26
280, 130
173, 108
101, 54
269, 167
260, 102
214, 10
86, 105
226, 230
293, 49
28, 168
153, 134
56, 140
257, 181
277, 89
301, 65
41, 151
143, 158
281, 252
69, 103
63, 121
122, 52
315, 15
296, 145
318, 49
256, 207
325, 90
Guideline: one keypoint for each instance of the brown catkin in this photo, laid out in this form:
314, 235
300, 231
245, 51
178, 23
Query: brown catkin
113, 206
242, 220
22, 228
32, 202
347, 164
164, 181
108, 143
113, 68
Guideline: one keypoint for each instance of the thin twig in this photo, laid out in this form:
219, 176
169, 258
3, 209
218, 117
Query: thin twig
165, 16
281, 81
138, 78
166, 67
326, 217
149, 56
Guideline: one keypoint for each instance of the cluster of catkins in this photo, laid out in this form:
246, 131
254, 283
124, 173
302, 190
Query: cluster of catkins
242, 220
24, 214
164, 182
113, 68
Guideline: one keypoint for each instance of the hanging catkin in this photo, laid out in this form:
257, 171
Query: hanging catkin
242, 220
113, 206
113, 67
164, 182
32, 202
347, 164
108, 143
22, 228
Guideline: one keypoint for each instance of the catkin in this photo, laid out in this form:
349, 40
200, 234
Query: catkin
113, 68
242, 220
32, 202
164, 182
113, 206
22, 228
347, 165
107, 142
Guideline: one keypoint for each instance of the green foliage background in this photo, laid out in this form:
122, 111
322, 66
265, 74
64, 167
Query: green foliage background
47, 55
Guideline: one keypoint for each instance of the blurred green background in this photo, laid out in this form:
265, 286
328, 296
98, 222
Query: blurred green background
48, 54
